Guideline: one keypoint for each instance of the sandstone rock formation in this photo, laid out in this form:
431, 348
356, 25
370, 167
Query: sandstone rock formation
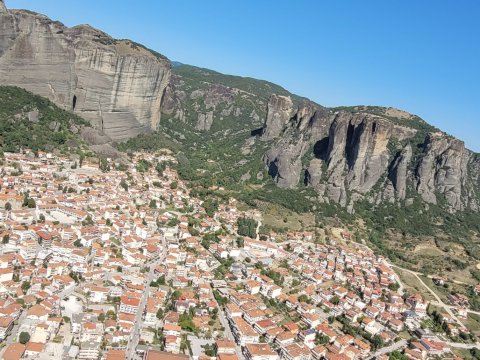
347, 156
280, 109
443, 170
116, 84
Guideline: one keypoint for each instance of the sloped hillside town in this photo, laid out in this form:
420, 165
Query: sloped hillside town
123, 260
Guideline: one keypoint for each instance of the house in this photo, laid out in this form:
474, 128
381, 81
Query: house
172, 330
162, 355
296, 351
98, 294
34, 349
6, 274
285, 338
129, 304
225, 346
6, 325
13, 352
172, 344
243, 332
259, 352
37, 312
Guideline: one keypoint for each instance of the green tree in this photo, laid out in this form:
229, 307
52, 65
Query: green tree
24, 337
8, 206
394, 286
160, 314
397, 355
124, 184
25, 286
377, 342
321, 339
247, 227
104, 165
240, 242
143, 166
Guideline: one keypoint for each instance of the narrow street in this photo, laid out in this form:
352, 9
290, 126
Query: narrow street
228, 332
135, 335
388, 349
464, 346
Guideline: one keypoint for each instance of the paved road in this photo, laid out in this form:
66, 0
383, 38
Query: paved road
135, 335
434, 294
454, 307
257, 230
228, 332
14, 332
388, 349
464, 346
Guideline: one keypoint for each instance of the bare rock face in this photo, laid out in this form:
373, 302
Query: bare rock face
348, 156
284, 163
279, 111
368, 154
399, 172
205, 121
357, 154
117, 85
300, 128
443, 169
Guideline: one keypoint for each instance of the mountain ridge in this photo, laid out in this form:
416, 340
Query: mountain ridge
251, 136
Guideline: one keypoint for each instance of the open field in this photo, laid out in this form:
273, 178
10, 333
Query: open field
279, 218
463, 353
413, 285
473, 323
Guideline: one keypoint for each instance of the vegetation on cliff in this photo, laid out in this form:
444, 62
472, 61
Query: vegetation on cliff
31, 121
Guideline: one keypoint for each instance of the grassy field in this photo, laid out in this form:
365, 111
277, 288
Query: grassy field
413, 285
473, 323
463, 353
279, 218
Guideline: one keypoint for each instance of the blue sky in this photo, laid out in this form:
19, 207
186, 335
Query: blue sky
420, 56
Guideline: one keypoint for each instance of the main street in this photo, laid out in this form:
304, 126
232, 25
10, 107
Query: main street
135, 335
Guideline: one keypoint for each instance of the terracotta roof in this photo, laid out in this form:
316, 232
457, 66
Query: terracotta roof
14, 352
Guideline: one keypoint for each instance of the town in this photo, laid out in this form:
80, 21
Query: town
122, 260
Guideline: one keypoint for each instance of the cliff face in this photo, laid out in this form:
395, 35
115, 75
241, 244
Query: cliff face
347, 155
117, 85
367, 154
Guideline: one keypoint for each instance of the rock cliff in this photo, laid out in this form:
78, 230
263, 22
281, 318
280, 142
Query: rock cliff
347, 155
238, 129
367, 153
115, 84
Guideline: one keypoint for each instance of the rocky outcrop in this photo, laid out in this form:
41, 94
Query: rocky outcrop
116, 85
348, 156
399, 172
443, 170
279, 111
205, 121
284, 163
